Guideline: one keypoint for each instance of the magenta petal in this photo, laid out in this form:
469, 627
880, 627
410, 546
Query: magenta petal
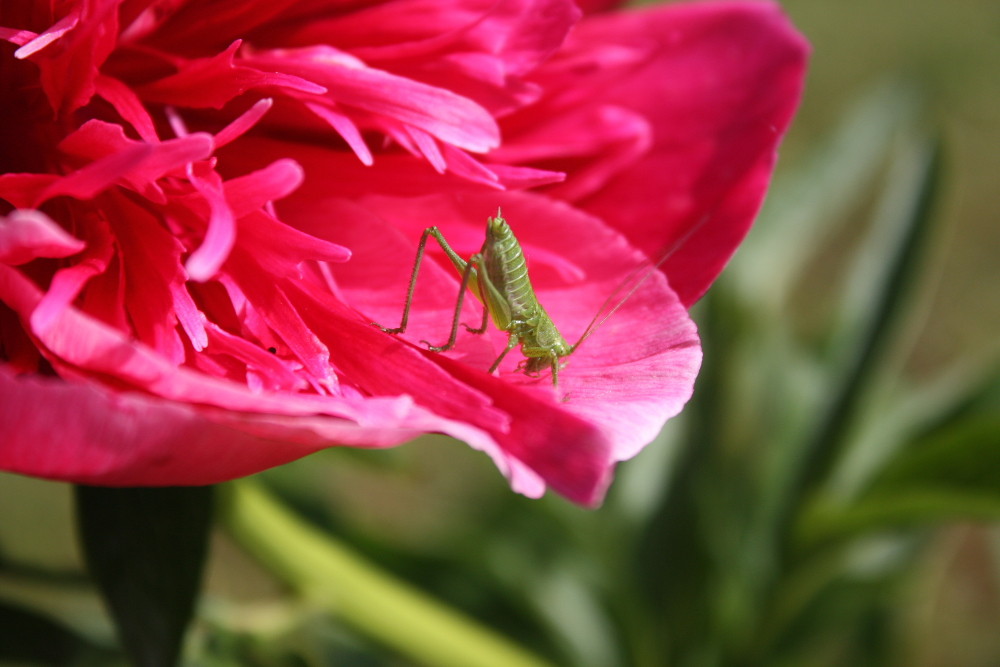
718, 82
546, 444
243, 123
221, 234
24, 190
130, 439
128, 104
16, 36
118, 160
54, 32
637, 132
154, 280
212, 82
98, 176
125, 439
346, 128
26, 235
733, 74
246, 194
67, 283
439, 112
616, 390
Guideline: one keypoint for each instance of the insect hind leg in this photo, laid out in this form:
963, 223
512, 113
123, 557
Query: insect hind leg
474, 261
430, 231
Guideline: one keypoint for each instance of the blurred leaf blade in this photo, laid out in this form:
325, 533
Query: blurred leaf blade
343, 583
29, 637
968, 389
145, 548
890, 287
951, 475
805, 204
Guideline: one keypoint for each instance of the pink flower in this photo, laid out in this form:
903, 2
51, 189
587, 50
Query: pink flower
205, 206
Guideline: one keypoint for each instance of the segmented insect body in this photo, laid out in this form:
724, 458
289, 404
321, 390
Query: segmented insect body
498, 276
515, 308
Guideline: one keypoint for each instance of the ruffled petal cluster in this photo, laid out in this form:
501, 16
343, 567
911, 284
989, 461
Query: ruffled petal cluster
204, 207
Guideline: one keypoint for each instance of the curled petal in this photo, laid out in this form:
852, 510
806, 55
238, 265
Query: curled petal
221, 234
718, 84
26, 235
212, 82
441, 113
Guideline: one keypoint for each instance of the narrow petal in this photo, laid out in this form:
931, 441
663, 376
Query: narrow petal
221, 233
439, 112
243, 122
212, 82
128, 105
54, 32
346, 128
27, 234
68, 282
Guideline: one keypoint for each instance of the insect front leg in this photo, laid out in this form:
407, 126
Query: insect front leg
512, 341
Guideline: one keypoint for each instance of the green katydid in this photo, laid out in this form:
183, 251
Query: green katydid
498, 276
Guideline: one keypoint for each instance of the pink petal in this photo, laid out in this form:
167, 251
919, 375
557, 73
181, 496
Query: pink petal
68, 282
155, 282
249, 193
617, 389
604, 139
212, 82
119, 160
128, 105
346, 128
97, 176
425, 145
69, 73
523, 178
721, 83
79, 345
281, 316
243, 123
221, 233
132, 439
439, 112
26, 235
17, 37
517, 35
57, 30
22, 190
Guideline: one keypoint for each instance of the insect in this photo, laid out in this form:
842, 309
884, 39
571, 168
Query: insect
498, 276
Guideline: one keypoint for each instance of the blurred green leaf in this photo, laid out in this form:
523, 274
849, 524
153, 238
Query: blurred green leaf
947, 469
342, 582
890, 265
30, 638
951, 475
807, 203
969, 387
145, 548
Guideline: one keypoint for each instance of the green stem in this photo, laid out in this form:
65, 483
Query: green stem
371, 600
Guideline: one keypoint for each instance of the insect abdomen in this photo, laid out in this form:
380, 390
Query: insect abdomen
508, 270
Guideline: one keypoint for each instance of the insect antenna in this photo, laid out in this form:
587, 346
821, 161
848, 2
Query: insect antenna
598, 320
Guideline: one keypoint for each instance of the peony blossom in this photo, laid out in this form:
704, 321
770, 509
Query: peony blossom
206, 205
